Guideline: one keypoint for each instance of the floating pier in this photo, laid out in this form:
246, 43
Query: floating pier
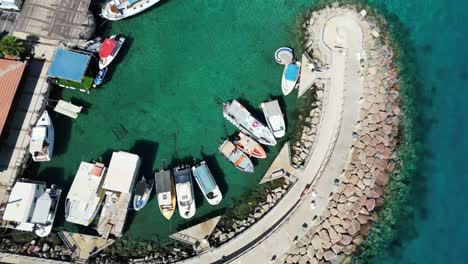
284, 55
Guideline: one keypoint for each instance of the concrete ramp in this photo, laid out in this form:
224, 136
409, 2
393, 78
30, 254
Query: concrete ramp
197, 235
281, 166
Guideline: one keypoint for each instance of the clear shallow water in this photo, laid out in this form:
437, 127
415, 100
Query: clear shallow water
185, 57
163, 99
438, 37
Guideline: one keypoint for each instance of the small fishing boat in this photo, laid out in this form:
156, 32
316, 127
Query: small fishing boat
165, 192
100, 77
207, 184
47, 205
143, 190
120, 9
274, 118
236, 157
290, 77
235, 113
41, 145
249, 146
109, 50
184, 192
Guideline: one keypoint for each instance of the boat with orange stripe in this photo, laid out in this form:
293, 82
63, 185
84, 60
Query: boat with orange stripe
236, 157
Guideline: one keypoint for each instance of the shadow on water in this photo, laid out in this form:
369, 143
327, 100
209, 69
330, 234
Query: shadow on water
62, 129
83, 103
147, 150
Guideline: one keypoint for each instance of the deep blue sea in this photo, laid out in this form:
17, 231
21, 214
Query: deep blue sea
438, 40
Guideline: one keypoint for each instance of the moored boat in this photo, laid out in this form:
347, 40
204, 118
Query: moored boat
41, 145
274, 118
235, 113
142, 194
165, 192
47, 203
249, 146
109, 50
290, 77
100, 77
207, 184
236, 157
120, 9
184, 192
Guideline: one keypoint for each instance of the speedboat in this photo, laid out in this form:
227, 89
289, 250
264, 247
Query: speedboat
120, 9
166, 193
235, 113
50, 199
184, 192
100, 77
207, 184
236, 157
274, 118
41, 145
249, 146
109, 50
142, 193
290, 77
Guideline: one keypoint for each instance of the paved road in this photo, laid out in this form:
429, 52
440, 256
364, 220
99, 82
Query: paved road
274, 234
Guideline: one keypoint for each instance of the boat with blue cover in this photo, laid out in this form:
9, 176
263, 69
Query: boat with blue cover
100, 77
290, 77
207, 184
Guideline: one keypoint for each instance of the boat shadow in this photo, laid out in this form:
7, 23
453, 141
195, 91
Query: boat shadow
255, 111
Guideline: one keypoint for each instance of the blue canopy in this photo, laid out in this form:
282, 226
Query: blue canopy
69, 65
292, 71
204, 178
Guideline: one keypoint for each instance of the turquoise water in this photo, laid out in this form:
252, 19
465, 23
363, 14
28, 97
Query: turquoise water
163, 98
437, 39
186, 57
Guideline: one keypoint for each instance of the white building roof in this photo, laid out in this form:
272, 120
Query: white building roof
22, 201
83, 197
123, 169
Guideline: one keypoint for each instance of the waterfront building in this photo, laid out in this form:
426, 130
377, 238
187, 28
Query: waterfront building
31, 207
118, 186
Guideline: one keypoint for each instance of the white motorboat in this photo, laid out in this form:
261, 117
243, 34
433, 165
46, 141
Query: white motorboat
207, 184
143, 190
242, 119
46, 205
238, 158
109, 50
120, 9
290, 77
41, 144
184, 192
274, 118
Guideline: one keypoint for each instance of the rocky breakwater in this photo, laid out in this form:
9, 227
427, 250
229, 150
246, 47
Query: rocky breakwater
36, 249
237, 225
309, 120
344, 224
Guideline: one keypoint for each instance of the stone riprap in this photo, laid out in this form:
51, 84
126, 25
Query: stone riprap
352, 209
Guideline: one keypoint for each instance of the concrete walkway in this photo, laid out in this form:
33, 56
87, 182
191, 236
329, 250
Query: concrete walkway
273, 234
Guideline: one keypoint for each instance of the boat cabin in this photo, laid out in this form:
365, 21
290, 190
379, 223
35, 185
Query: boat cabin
39, 145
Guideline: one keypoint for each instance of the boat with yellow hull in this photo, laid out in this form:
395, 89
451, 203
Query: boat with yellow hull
165, 191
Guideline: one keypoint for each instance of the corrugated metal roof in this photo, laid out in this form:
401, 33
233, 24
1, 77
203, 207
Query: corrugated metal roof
10, 77
21, 201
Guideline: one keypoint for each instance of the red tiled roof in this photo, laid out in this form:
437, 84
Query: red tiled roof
10, 77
